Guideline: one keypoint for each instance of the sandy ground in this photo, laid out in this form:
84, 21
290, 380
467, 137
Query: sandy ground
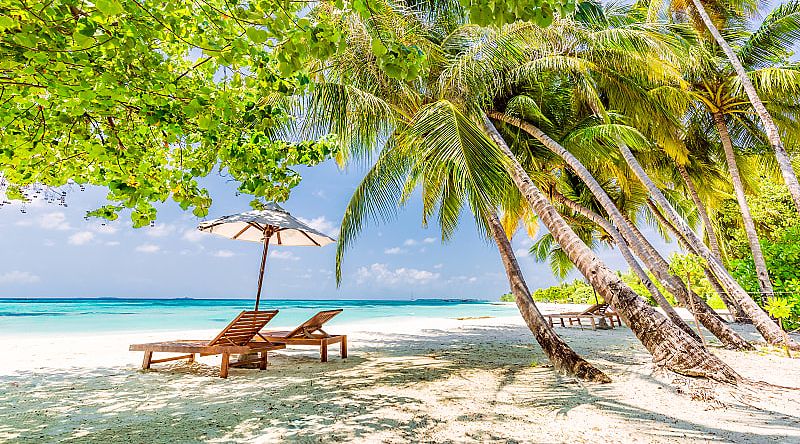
410, 380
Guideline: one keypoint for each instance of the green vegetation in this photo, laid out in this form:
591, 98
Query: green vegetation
145, 98
579, 292
782, 254
590, 120
575, 292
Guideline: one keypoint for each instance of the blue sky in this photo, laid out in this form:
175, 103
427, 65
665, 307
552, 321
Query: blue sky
51, 251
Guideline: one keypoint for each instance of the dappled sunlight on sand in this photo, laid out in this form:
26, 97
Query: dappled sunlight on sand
476, 383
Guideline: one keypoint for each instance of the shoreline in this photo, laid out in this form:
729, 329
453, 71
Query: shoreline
421, 379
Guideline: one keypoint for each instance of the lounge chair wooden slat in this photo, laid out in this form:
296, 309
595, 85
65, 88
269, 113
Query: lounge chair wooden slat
235, 338
595, 314
310, 333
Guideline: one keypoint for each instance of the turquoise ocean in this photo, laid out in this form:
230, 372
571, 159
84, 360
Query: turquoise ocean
59, 316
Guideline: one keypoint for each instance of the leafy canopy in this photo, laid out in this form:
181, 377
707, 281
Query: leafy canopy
145, 98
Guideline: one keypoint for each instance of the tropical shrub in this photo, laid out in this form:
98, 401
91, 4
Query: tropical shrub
575, 292
782, 255
772, 210
689, 268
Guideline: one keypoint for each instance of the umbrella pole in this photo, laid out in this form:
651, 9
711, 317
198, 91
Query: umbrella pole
267, 235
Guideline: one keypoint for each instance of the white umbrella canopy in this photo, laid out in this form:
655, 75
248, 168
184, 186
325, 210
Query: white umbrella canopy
273, 225
283, 228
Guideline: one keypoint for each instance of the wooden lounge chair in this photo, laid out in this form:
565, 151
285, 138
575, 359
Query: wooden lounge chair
596, 314
310, 332
236, 338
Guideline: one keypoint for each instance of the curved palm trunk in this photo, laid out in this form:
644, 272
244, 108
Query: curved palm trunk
559, 353
674, 285
628, 256
700, 305
713, 241
764, 283
738, 314
768, 329
734, 309
671, 347
784, 162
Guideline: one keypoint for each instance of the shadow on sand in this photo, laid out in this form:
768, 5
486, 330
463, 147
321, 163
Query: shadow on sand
407, 388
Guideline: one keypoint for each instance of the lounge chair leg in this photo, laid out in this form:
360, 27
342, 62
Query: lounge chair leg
562, 322
343, 347
191, 358
223, 367
263, 364
323, 350
594, 326
148, 356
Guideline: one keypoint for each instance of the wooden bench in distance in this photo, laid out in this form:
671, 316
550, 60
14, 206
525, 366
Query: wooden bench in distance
596, 315
310, 332
236, 338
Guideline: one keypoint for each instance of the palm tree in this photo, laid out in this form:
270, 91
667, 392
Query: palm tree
767, 48
670, 346
707, 174
718, 102
590, 73
430, 126
367, 109
587, 55
768, 329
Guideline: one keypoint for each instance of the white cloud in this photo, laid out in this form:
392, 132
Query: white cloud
224, 253
194, 235
321, 224
283, 255
112, 243
148, 248
429, 240
51, 221
80, 238
409, 242
438, 266
463, 278
18, 277
160, 230
394, 250
381, 273
522, 252
105, 229
48, 243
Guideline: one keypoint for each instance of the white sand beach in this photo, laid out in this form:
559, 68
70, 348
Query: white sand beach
408, 380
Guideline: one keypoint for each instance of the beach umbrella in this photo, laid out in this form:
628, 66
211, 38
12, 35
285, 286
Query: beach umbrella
272, 225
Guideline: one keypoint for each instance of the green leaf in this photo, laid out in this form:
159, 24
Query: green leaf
257, 35
7, 22
81, 40
378, 48
204, 122
109, 7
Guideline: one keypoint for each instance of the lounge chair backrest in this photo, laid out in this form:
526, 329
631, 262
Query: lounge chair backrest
242, 329
595, 309
314, 324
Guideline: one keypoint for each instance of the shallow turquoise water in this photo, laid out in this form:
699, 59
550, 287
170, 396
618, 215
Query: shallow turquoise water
54, 316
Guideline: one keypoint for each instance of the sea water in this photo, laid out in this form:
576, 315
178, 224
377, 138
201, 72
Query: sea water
106, 315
